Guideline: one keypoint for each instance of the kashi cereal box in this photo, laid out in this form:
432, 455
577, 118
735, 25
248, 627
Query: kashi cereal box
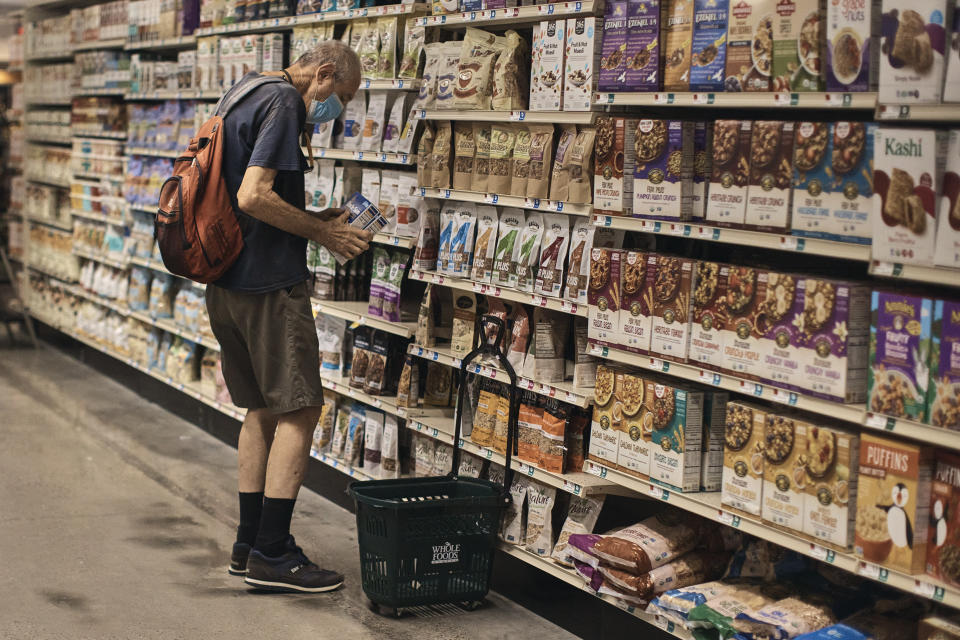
913, 42
830, 480
709, 315
943, 392
603, 296
780, 308
676, 417
639, 270
750, 45
893, 503
812, 178
743, 457
851, 194
607, 416
729, 172
742, 333
771, 174
673, 284
784, 470
943, 543
947, 252
634, 443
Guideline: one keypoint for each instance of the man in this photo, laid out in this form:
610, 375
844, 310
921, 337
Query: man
260, 309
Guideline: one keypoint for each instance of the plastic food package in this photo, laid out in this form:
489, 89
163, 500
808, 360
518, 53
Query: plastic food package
581, 518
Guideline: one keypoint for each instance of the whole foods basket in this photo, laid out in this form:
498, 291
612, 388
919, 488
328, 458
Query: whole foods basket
426, 541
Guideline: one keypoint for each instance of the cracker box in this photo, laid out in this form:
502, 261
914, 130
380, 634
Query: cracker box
893, 503
663, 170
639, 270
900, 335
676, 417
711, 455
943, 392
607, 416
851, 194
943, 543
613, 53
709, 315
830, 484
853, 49
729, 172
742, 335
582, 63
784, 475
709, 51
913, 40
673, 285
676, 34
908, 170
798, 38
771, 175
749, 45
951, 85
834, 339
812, 179
613, 154
701, 169
743, 457
642, 64
779, 309
947, 252
553, 37
938, 628
603, 296
634, 445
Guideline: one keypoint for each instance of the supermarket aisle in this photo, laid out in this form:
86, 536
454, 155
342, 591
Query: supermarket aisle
116, 519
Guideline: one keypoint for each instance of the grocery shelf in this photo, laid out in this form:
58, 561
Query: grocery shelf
364, 156
155, 153
742, 100
554, 117
50, 274
708, 505
548, 302
395, 241
35, 139
848, 412
102, 91
288, 22
55, 224
340, 385
758, 239
358, 312
96, 45
90, 175
114, 306
48, 181
928, 275
179, 42
564, 391
96, 256
49, 102
97, 217
399, 84
65, 55
156, 264
513, 15
174, 94
81, 132
341, 466
538, 204
168, 325
914, 430
919, 112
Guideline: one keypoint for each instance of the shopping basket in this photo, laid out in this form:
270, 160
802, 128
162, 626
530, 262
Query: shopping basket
427, 541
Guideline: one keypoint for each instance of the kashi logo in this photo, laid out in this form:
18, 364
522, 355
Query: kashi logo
446, 553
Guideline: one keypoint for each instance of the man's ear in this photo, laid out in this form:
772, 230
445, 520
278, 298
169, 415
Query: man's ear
325, 70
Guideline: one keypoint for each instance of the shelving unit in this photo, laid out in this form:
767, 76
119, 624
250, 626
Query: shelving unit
550, 117
276, 24
537, 204
364, 156
357, 312
919, 112
511, 15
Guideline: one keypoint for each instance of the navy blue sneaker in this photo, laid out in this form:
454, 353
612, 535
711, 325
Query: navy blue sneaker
238, 559
291, 573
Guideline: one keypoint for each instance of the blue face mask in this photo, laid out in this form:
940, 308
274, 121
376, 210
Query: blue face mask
325, 110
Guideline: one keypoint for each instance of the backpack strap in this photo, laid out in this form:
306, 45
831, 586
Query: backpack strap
230, 99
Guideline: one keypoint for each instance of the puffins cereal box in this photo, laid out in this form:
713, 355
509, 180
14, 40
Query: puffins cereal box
676, 34
709, 45
729, 172
709, 315
771, 175
893, 503
607, 415
943, 542
613, 165
742, 333
663, 169
913, 43
633, 455
947, 253
943, 392
673, 284
743, 457
643, 46
784, 470
603, 296
750, 45
812, 179
851, 194
677, 433
830, 484
639, 270
853, 51
798, 34
900, 332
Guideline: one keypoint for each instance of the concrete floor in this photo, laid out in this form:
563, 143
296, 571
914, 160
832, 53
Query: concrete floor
116, 520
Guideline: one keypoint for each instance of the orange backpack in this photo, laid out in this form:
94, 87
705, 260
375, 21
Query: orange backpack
196, 227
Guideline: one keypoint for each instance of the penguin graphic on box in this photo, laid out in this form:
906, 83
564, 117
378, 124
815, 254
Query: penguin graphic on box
898, 522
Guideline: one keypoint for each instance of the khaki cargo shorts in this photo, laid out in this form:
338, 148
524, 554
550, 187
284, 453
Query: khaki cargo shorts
269, 351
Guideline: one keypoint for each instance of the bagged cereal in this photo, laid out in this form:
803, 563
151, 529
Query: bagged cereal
473, 85
463, 155
488, 221
538, 537
581, 518
509, 75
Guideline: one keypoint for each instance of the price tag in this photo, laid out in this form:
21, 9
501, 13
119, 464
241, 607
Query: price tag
401, 412
359, 155
788, 243
675, 229
873, 571
539, 301
882, 268
383, 157
457, 362
729, 519
904, 111
435, 356
708, 377
518, 116
434, 433
473, 16
658, 492
491, 198
572, 487
572, 397
396, 241
529, 384
489, 454
422, 114
928, 590
660, 98
597, 470
404, 159
546, 9
527, 469
822, 553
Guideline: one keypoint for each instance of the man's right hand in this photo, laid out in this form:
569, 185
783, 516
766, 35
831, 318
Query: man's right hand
338, 236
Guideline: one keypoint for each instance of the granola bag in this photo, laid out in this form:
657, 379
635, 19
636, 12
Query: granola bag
354, 115
439, 385
502, 140
389, 447
556, 237
447, 75
424, 153
408, 389
581, 518
512, 222
370, 50
485, 417
541, 154
424, 448
440, 157
387, 63
464, 322
425, 253
473, 82
442, 454
461, 245
519, 337
487, 222
427, 97
471, 466
578, 262
425, 335
378, 280
538, 537
509, 75
389, 187
464, 150
503, 420
373, 442
481, 163
448, 225
646, 545
410, 206
375, 381
391, 290
361, 356
529, 421
394, 127
413, 38
521, 161
523, 267
580, 187
513, 527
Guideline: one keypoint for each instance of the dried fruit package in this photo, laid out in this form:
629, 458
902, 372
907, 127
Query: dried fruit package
488, 221
556, 237
523, 266
508, 245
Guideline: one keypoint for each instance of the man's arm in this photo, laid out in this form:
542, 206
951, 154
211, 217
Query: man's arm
257, 198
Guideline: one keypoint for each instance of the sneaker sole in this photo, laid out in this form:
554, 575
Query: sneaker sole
286, 587
236, 572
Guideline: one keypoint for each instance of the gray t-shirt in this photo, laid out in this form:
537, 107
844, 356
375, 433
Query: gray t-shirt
263, 130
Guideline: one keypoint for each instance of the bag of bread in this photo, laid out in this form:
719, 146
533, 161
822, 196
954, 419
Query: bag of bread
413, 38
521, 161
510, 75
503, 137
474, 78
481, 163
541, 154
440, 157
424, 153
487, 222
463, 152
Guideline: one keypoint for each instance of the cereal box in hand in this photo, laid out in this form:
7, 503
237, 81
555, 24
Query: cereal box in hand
812, 179
729, 172
943, 543
771, 174
830, 480
893, 503
947, 252
913, 42
851, 194
709, 54
709, 315
743, 457
943, 392
676, 417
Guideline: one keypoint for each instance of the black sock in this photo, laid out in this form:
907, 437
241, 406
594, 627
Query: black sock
251, 506
274, 526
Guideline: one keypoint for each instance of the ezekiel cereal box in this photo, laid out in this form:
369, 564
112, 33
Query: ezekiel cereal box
639, 270
742, 333
851, 194
676, 34
743, 457
709, 315
607, 415
603, 296
943, 543
633, 455
673, 284
676, 416
812, 178
893, 503
913, 42
853, 48
784, 470
749, 45
830, 479
709, 53
771, 174
943, 392
613, 165
643, 46
729, 172
798, 34
947, 253
613, 67
780, 308
663, 169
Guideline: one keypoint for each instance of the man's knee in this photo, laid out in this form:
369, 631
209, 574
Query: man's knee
305, 418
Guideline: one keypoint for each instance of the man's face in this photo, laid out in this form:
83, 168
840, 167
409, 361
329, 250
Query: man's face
324, 84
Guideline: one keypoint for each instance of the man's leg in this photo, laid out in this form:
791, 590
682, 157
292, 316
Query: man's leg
253, 447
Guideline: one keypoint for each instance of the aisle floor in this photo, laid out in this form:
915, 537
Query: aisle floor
116, 519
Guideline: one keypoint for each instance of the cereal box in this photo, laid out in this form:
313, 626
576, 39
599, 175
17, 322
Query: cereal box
900, 334
893, 503
913, 44
742, 335
613, 66
536, 48
784, 473
743, 457
634, 444
908, 169
853, 50
613, 165
676, 34
643, 46
951, 85
663, 169
834, 338
673, 284
582, 62
709, 315
943, 543
830, 484
798, 35
851, 194
812, 179
607, 416
711, 455
701, 169
947, 253
943, 392
603, 296
676, 417
729, 172
749, 45
639, 270
771, 174
938, 628
780, 308
553, 36
709, 53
